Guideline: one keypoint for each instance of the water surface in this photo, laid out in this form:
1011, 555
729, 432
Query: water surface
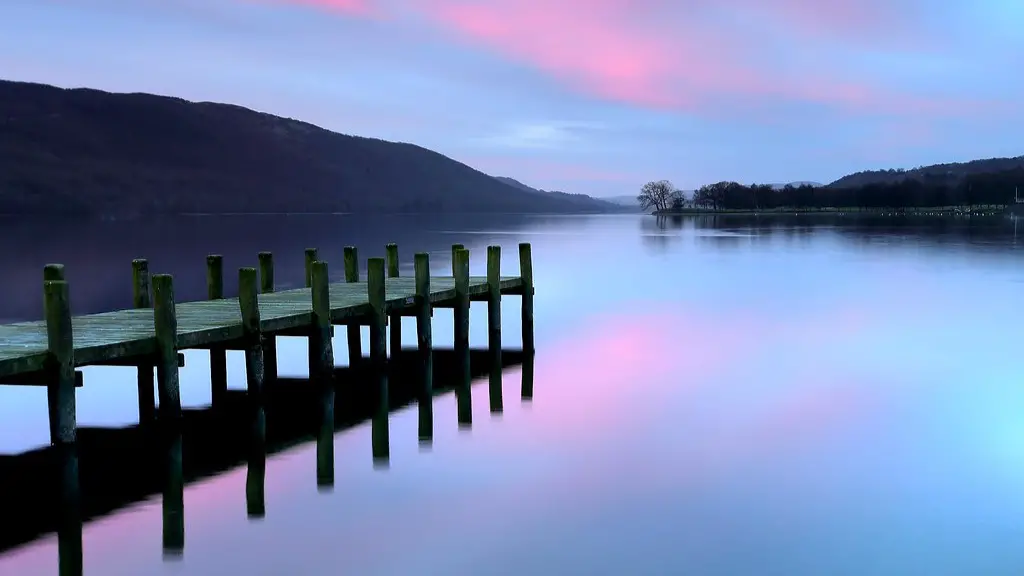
710, 396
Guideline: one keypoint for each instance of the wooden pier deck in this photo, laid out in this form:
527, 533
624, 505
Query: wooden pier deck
113, 336
47, 352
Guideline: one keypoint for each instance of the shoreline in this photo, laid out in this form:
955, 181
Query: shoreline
991, 210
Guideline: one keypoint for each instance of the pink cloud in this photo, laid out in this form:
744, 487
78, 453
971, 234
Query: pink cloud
694, 55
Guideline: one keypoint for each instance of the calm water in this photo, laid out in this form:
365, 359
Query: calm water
710, 397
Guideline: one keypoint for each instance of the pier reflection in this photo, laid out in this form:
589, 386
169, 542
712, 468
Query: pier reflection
57, 489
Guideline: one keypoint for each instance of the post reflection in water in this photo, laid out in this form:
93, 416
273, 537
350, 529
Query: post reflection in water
69, 531
425, 401
255, 476
379, 422
527, 368
494, 382
44, 491
325, 438
174, 496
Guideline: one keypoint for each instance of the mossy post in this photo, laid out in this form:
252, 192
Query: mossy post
494, 326
142, 298
165, 324
218, 354
61, 362
462, 389
248, 304
395, 322
53, 272
266, 260
455, 248
378, 347
311, 257
322, 374
526, 272
355, 344
425, 346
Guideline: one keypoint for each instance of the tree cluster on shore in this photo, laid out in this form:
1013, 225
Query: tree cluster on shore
929, 191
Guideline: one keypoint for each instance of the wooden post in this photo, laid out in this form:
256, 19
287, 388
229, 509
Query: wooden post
266, 260
355, 345
311, 257
321, 336
395, 322
494, 326
248, 303
165, 324
142, 298
218, 354
494, 298
323, 373
455, 248
526, 272
53, 272
378, 348
462, 388
378, 321
424, 343
61, 363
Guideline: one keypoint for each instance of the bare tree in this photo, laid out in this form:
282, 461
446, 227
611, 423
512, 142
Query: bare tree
657, 195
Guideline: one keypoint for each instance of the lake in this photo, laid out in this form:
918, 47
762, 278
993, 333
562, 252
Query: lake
786, 395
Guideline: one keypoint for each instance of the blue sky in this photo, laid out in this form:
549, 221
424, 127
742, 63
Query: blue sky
593, 96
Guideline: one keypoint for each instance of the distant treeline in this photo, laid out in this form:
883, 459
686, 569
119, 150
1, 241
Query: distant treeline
927, 191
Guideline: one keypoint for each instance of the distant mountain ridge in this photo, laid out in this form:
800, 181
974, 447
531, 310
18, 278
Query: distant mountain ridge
582, 200
88, 152
949, 173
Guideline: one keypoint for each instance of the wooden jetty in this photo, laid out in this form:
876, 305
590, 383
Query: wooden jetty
47, 352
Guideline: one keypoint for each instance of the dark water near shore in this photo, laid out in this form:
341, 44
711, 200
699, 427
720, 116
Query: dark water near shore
725, 395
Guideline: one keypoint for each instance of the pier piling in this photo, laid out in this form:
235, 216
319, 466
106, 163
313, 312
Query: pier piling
61, 362
266, 260
142, 298
424, 345
395, 321
248, 303
494, 326
355, 344
526, 272
165, 324
218, 354
462, 389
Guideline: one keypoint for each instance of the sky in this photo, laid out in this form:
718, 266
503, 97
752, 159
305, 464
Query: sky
591, 96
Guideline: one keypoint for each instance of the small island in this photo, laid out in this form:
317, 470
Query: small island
972, 188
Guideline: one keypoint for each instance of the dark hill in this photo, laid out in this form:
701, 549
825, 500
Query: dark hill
949, 174
583, 202
82, 151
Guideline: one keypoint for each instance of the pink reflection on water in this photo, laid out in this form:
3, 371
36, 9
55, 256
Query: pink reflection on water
663, 399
